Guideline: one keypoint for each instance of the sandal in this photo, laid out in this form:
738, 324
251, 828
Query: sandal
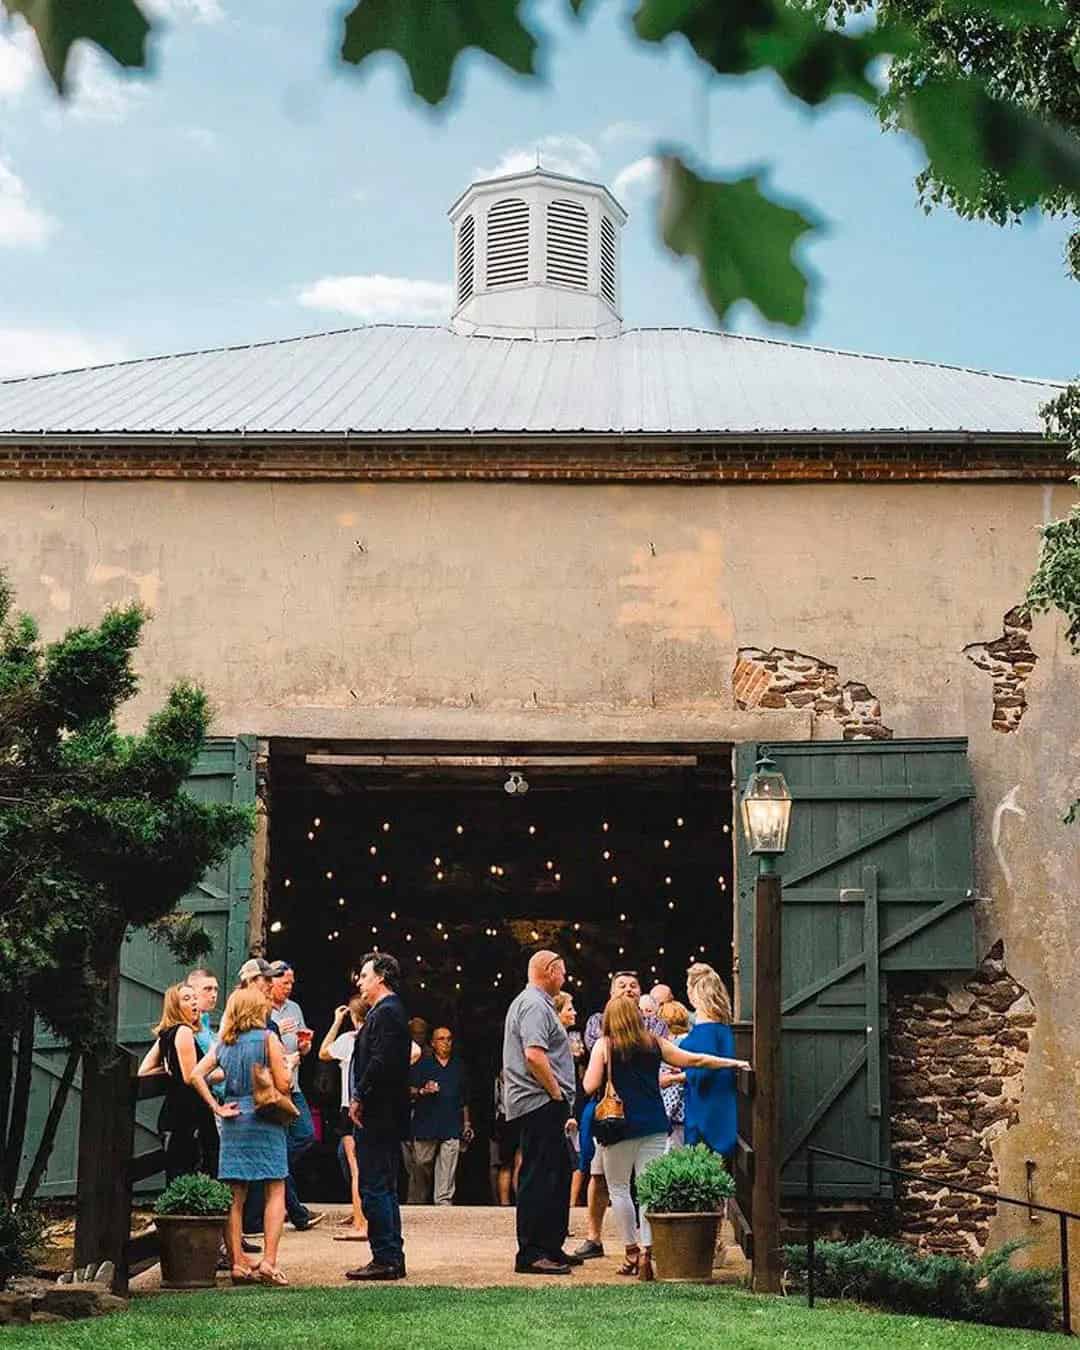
645, 1268
243, 1275
265, 1274
352, 1236
630, 1265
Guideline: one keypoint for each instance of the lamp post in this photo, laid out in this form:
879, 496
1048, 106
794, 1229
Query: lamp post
766, 814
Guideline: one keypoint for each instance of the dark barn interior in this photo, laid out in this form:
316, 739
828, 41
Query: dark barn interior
615, 860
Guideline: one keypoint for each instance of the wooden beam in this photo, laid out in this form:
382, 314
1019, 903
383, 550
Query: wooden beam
502, 761
765, 1107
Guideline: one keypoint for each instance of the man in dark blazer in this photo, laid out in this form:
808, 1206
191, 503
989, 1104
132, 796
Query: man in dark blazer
379, 1111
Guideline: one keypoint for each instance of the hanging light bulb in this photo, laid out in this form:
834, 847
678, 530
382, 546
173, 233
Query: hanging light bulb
558, 876
288, 882
384, 878
622, 918
549, 864
438, 862
423, 985
535, 935
458, 969
667, 881
456, 985
493, 869
311, 834
439, 876
727, 829
336, 933
607, 854
671, 904
329, 876
341, 900
419, 957
439, 925
408, 937
577, 946
446, 937
621, 950
532, 829
373, 850
393, 913
667, 843
374, 929
461, 829
276, 926
614, 880
316, 822
577, 927
659, 951
679, 822
386, 827
604, 827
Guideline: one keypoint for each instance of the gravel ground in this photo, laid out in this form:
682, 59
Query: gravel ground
460, 1246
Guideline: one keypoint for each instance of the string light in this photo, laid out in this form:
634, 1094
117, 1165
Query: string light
373, 850
577, 928
288, 882
439, 925
423, 985
458, 969
374, 929
439, 876
701, 949
622, 950
614, 880
384, 878
667, 881
493, 869
446, 937
577, 946
311, 834
535, 935
667, 843
727, 829
329, 876
461, 829
532, 829
408, 937
316, 822
457, 985
604, 827
341, 900
659, 951
419, 957
679, 822
558, 876
386, 827
622, 918
671, 904
438, 862
607, 854
549, 864
276, 926
393, 913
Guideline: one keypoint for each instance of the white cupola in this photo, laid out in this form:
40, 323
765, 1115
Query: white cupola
537, 253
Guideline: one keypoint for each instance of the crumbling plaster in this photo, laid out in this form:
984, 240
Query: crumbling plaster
476, 611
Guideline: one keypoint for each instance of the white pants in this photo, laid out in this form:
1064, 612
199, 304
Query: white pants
631, 1155
436, 1162
675, 1138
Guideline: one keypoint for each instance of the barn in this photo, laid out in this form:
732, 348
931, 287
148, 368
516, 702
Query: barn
496, 615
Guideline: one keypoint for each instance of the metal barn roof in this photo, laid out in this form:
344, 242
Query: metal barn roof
389, 380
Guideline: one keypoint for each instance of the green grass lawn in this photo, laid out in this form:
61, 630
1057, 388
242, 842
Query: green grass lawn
655, 1317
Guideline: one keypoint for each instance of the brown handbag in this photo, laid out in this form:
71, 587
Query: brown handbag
270, 1104
609, 1119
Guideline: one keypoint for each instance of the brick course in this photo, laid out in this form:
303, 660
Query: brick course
535, 459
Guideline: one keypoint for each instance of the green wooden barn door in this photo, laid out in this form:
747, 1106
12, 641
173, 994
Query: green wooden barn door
225, 772
877, 878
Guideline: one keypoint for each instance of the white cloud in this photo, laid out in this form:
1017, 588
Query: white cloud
377, 298
22, 223
198, 11
18, 61
35, 351
97, 94
640, 174
624, 131
561, 154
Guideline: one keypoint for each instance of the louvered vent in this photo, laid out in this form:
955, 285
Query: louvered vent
508, 243
567, 244
466, 257
607, 260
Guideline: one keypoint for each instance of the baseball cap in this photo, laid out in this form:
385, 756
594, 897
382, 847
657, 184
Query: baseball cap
279, 968
253, 968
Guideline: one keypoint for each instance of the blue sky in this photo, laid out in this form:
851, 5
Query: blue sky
253, 189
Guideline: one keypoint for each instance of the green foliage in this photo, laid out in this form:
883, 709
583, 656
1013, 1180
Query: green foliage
685, 1181
890, 1275
118, 27
96, 832
20, 1236
194, 1194
430, 38
741, 240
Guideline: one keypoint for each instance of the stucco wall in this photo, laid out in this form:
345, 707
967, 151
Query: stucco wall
477, 611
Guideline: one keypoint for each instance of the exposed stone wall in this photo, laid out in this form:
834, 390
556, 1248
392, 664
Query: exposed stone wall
1008, 660
956, 1065
782, 678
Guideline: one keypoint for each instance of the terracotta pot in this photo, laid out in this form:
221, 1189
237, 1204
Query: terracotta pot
684, 1245
190, 1244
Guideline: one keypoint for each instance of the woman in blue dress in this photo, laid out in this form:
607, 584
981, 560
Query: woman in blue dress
252, 1149
710, 1097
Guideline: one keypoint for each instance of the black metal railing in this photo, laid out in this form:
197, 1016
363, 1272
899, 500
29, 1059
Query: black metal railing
1064, 1215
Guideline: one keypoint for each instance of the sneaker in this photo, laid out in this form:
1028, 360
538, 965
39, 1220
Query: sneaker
314, 1218
251, 1248
589, 1249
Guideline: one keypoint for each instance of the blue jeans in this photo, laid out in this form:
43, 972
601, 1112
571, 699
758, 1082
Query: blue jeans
299, 1137
377, 1155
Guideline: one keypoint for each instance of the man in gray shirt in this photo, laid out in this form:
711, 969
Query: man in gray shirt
538, 1086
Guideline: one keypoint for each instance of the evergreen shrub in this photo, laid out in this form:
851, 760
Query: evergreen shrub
194, 1194
685, 1181
20, 1236
893, 1276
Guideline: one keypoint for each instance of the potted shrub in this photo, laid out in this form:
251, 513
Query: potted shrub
190, 1216
683, 1194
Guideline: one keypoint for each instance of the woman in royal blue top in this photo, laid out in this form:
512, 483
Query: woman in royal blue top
635, 1055
710, 1097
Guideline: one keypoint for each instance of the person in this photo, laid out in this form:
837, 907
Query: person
648, 1006
538, 1082
710, 1098
252, 1148
418, 1030
673, 1081
288, 1017
633, 1055
255, 971
567, 1015
205, 984
505, 1149
661, 994
624, 984
188, 1127
379, 1110
438, 1087
337, 1045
